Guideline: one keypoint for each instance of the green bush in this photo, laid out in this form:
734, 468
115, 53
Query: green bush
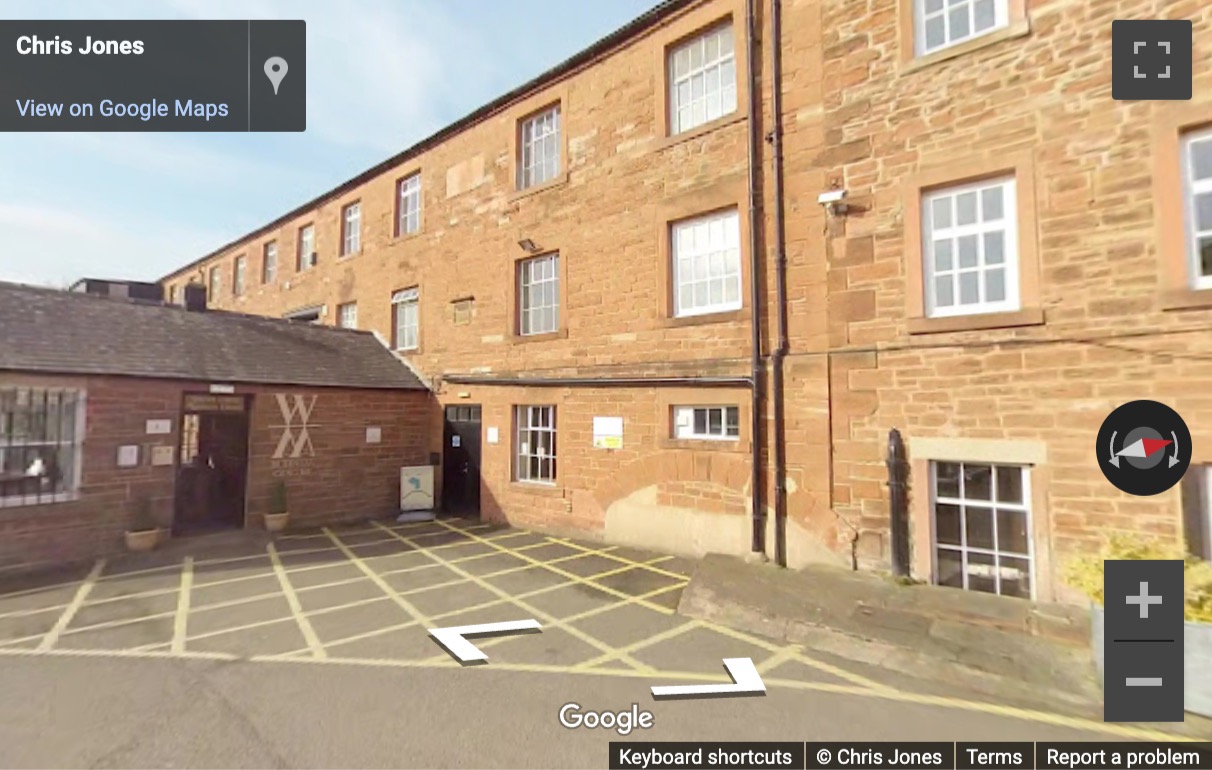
277, 501
1086, 572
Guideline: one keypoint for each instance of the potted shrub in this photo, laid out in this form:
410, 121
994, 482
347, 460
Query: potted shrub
277, 517
144, 532
1086, 575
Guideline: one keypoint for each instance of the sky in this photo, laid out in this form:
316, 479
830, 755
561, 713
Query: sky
382, 75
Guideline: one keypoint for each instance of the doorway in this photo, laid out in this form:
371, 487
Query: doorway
461, 461
212, 469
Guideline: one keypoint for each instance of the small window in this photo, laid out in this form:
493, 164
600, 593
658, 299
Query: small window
535, 444
939, 24
1197, 183
406, 308
237, 282
351, 229
41, 431
463, 310
706, 254
347, 315
702, 80
539, 149
307, 248
408, 218
307, 314
216, 282
269, 263
707, 422
970, 248
539, 295
982, 527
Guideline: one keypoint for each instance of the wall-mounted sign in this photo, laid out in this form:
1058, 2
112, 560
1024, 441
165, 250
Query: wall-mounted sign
608, 432
374, 435
199, 403
157, 427
294, 454
456, 441
162, 455
128, 456
494, 436
222, 388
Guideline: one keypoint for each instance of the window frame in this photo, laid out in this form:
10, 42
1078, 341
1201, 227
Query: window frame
523, 313
525, 179
401, 302
1012, 256
342, 309
724, 29
351, 228
524, 425
406, 191
1191, 188
214, 284
306, 260
269, 267
74, 475
1003, 15
1026, 506
675, 259
680, 410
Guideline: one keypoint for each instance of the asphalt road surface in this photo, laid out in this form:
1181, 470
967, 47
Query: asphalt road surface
312, 651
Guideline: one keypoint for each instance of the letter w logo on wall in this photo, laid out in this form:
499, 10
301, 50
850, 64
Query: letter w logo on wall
296, 414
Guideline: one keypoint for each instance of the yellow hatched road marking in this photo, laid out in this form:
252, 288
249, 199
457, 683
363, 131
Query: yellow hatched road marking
664, 636
565, 573
377, 579
309, 633
530, 609
788, 653
52, 636
181, 622
645, 565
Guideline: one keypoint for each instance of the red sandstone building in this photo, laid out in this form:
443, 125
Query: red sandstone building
109, 406
646, 324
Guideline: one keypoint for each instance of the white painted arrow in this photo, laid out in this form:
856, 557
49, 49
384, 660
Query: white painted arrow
745, 681
453, 638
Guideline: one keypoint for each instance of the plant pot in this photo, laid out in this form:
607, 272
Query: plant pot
1197, 646
144, 540
276, 522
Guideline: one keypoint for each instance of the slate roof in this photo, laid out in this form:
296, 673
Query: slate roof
47, 330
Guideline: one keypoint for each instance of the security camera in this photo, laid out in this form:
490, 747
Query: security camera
831, 197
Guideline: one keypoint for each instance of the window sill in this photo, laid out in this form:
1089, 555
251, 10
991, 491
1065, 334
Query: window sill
560, 180
724, 316
1015, 29
537, 488
350, 255
405, 237
560, 334
29, 501
964, 323
1186, 299
408, 351
734, 446
666, 142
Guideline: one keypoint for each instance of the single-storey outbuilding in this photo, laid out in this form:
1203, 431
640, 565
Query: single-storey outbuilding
113, 409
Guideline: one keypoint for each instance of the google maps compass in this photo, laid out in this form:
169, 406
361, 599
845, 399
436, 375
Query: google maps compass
1144, 448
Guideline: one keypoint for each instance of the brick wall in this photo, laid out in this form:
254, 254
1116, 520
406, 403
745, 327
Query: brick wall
347, 478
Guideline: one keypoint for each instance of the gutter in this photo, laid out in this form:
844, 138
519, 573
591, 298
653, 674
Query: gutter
756, 482
780, 278
594, 382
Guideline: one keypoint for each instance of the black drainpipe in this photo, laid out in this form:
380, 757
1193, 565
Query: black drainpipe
780, 286
898, 507
755, 294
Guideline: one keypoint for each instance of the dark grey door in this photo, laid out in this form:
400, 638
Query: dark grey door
461, 461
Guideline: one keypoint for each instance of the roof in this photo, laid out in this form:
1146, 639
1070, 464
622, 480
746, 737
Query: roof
623, 34
47, 330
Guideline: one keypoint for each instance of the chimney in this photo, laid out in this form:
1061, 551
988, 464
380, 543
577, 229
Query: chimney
195, 297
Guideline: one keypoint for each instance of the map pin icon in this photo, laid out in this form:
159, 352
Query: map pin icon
275, 70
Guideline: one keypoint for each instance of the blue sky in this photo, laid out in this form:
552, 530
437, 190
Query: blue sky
382, 74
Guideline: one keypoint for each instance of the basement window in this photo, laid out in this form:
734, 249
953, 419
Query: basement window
41, 431
982, 527
713, 423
